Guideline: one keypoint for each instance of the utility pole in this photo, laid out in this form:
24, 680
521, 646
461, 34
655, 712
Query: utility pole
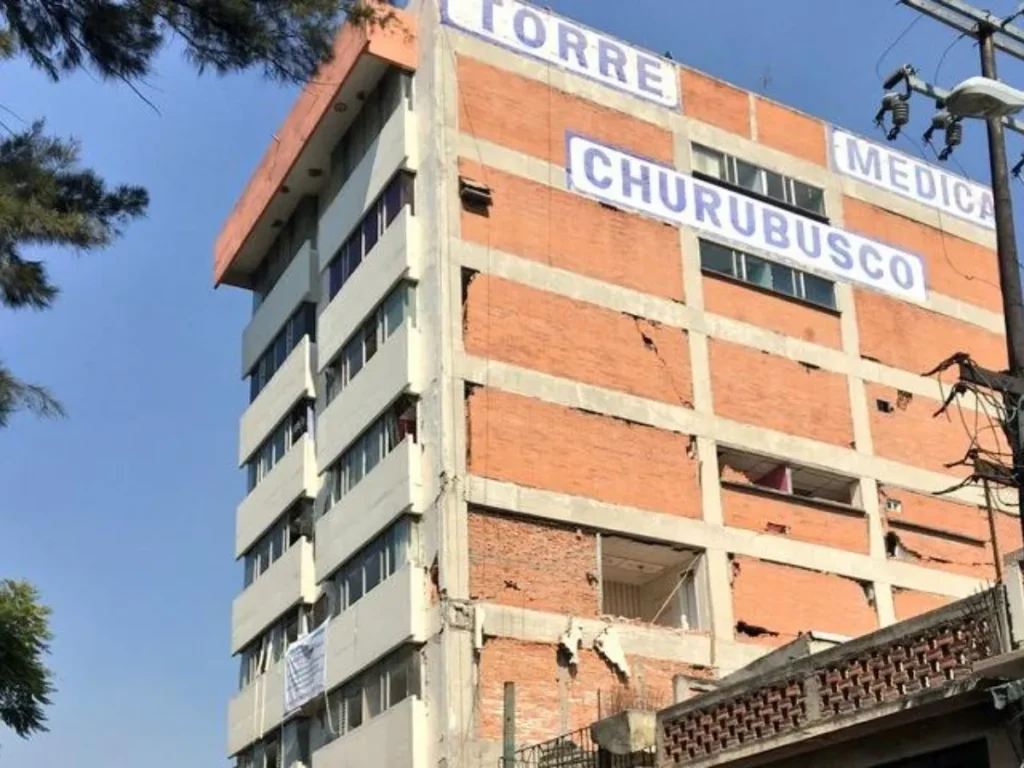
992, 32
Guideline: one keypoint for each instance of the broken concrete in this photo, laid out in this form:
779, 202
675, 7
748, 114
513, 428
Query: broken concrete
608, 646
571, 640
630, 731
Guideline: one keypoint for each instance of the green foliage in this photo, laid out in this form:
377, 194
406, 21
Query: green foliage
46, 198
25, 682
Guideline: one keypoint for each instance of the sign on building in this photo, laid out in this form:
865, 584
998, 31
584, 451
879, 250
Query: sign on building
631, 182
909, 177
542, 35
304, 669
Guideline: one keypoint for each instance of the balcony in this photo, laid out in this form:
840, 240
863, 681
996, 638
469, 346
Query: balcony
392, 613
395, 256
394, 148
290, 479
257, 709
287, 582
394, 487
292, 381
294, 287
396, 368
396, 738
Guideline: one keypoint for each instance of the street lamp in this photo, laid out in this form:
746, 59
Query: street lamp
983, 97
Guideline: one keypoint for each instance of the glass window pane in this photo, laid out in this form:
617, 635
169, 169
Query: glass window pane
353, 703
394, 310
708, 161
398, 684
757, 271
254, 386
299, 422
809, 198
749, 177
370, 338
353, 585
819, 290
354, 253
398, 546
371, 452
783, 279
353, 358
280, 351
716, 258
370, 229
776, 185
251, 561
374, 693
371, 565
393, 199
279, 445
356, 464
336, 277
250, 471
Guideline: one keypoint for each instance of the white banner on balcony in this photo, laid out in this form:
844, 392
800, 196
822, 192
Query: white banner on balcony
305, 669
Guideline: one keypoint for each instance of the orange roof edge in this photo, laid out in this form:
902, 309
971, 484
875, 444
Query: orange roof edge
395, 42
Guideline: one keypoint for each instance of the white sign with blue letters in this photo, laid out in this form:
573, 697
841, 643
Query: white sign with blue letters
628, 181
542, 35
909, 177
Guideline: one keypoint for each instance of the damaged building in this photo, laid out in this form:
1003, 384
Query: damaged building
944, 689
572, 367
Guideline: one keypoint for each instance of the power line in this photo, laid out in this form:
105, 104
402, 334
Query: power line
893, 44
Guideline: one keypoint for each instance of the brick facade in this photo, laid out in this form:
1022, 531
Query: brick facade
536, 329
802, 521
786, 601
541, 445
529, 564
755, 387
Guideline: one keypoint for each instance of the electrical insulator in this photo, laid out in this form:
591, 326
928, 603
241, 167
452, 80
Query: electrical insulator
954, 134
900, 113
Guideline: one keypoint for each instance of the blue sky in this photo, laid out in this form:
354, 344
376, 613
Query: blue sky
123, 514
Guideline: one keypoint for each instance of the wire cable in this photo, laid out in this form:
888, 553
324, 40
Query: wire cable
893, 44
942, 58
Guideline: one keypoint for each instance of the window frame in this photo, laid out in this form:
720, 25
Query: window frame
740, 274
728, 176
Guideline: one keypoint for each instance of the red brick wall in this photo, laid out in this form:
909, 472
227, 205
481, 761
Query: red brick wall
569, 232
531, 564
528, 116
910, 337
914, 436
816, 525
541, 445
789, 600
929, 548
790, 131
714, 102
757, 388
954, 267
909, 603
544, 688
724, 297
524, 326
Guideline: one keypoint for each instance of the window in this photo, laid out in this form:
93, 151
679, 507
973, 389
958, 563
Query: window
268, 649
285, 533
652, 583
378, 105
737, 468
379, 439
757, 180
379, 215
364, 343
388, 682
769, 275
301, 323
373, 564
278, 443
